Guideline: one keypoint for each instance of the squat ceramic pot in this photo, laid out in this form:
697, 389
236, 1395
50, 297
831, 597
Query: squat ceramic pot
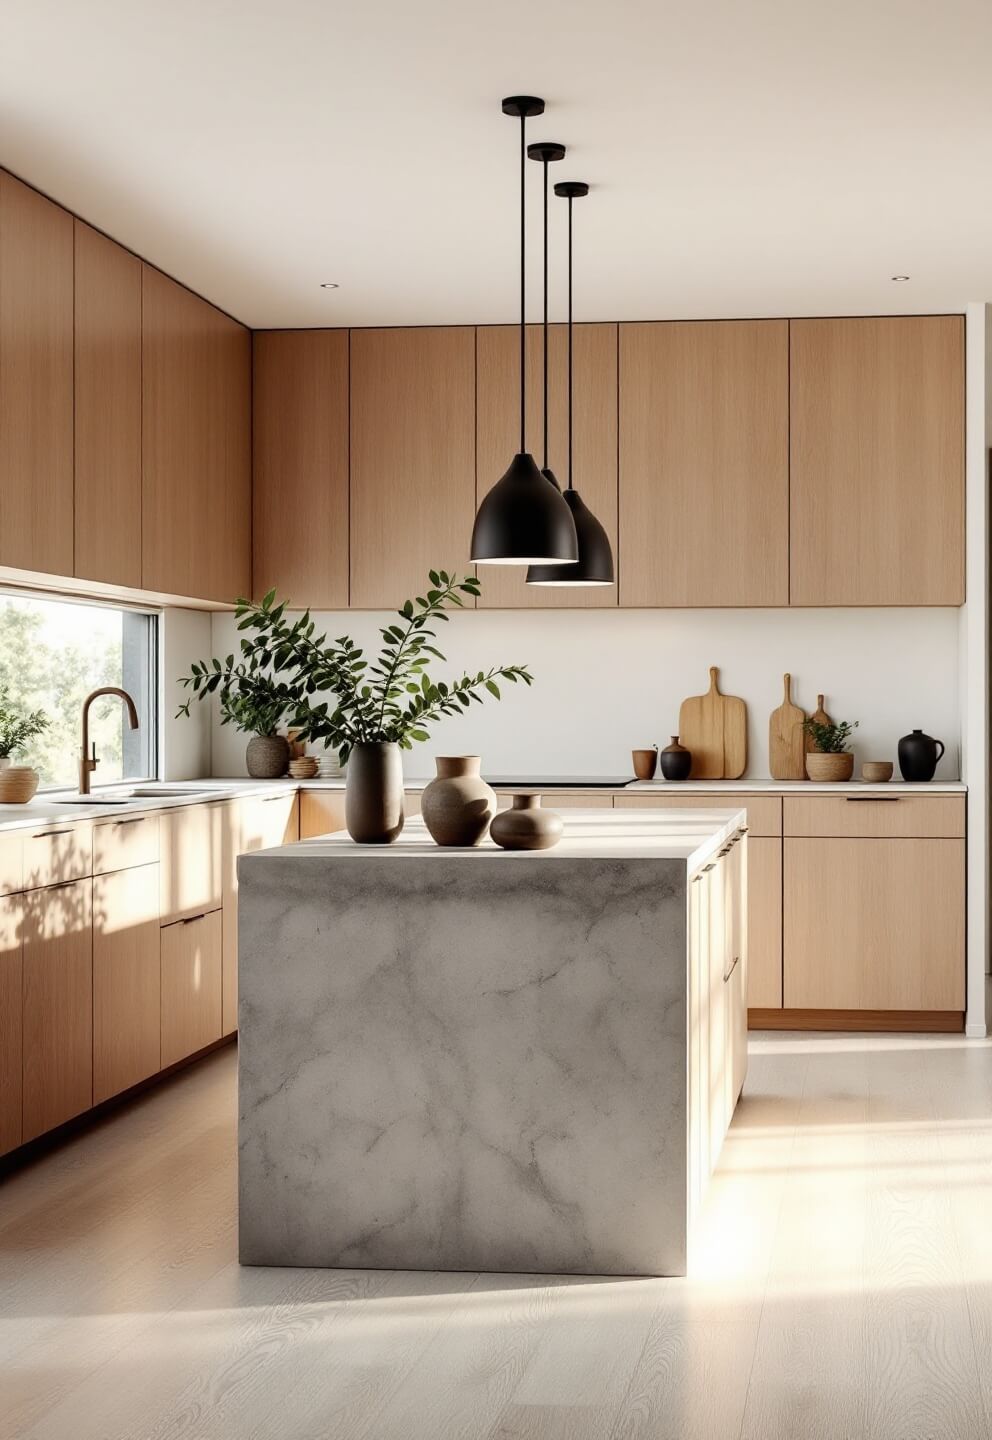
525, 826
676, 761
918, 756
267, 757
838, 765
373, 794
458, 805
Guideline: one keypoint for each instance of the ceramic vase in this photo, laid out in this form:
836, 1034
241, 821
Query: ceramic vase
645, 763
829, 767
373, 794
458, 805
676, 761
918, 756
267, 757
525, 826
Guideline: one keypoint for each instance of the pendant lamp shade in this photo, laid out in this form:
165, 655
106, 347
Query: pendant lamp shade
523, 520
593, 565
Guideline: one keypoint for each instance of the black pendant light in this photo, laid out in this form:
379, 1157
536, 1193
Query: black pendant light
546, 152
523, 520
594, 564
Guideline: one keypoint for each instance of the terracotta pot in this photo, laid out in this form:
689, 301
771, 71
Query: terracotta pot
820, 766
676, 761
526, 826
373, 794
458, 805
18, 784
645, 763
267, 757
876, 771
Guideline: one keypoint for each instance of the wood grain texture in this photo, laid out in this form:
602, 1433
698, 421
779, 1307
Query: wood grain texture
195, 445
868, 817
191, 853
873, 924
562, 800
191, 986
764, 812
787, 740
249, 824
300, 466
764, 922
877, 473
11, 862
126, 980
57, 1005
11, 967
107, 350
126, 843
714, 727
412, 460
704, 463
57, 853
321, 812
594, 440
36, 491
923, 1022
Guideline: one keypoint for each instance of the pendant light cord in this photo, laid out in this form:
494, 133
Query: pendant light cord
545, 314
523, 284
569, 342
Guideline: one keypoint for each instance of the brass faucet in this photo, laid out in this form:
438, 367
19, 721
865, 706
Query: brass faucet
87, 763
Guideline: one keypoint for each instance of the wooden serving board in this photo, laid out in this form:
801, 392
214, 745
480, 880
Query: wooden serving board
787, 741
714, 727
821, 717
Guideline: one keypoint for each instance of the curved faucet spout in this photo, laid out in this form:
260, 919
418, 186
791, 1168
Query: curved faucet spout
87, 762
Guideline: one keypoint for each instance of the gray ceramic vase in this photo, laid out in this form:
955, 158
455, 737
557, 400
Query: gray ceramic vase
458, 805
526, 826
373, 794
267, 756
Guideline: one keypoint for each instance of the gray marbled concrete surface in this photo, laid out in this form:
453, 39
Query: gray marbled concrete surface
463, 1066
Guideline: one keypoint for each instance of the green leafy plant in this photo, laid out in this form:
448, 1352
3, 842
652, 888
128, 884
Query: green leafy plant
388, 699
830, 739
256, 711
17, 727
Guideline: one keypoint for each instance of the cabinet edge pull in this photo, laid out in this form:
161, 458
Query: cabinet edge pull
134, 820
731, 970
50, 834
192, 919
873, 799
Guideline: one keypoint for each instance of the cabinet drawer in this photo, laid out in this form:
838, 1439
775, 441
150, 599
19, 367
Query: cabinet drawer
191, 859
11, 862
191, 986
764, 812
57, 854
57, 1036
876, 817
126, 979
125, 844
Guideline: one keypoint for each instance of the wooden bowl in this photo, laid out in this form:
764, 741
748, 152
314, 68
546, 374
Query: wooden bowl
833, 767
876, 771
305, 768
18, 784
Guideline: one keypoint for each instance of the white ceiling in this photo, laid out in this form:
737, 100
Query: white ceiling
747, 157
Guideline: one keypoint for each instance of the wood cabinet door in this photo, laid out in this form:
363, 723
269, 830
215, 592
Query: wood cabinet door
717, 1058
764, 923
195, 445
107, 410
704, 463
191, 859
126, 980
57, 1005
300, 466
412, 460
57, 853
191, 986
11, 928
126, 843
594, 439
877, 483
321, 812
735, 974
261, 823
36, 496
874, 924
11, 862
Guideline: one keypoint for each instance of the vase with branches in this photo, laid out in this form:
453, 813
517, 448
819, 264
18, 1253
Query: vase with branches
368, 708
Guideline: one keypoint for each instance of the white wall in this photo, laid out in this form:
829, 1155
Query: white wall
185, 744
608, 681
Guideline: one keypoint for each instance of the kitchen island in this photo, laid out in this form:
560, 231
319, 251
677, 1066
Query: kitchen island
490, 1060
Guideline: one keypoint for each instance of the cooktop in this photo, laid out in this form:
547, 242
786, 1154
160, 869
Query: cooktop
561, 782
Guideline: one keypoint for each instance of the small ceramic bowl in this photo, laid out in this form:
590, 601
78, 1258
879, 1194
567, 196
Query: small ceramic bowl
875, 771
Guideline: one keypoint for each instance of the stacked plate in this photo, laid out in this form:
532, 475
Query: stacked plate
329, 766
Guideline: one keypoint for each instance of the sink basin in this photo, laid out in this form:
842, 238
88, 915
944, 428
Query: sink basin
140, 792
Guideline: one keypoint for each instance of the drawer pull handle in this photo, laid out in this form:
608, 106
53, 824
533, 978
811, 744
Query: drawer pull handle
192, 919
135, 820
50, 834
873, 799
731, 970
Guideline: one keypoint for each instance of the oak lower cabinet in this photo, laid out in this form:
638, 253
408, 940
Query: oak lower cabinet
191, 865
252, 824
191, 985
126, 980
11, 967
875, 925
764, 922
57, 995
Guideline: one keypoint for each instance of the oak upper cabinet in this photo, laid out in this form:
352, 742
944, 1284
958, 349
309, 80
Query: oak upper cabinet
107, 410
704, 463
36, 424
126, 979
412, 460
196, 444
57, 992
300, 460
11, 927
594, 439
878, 461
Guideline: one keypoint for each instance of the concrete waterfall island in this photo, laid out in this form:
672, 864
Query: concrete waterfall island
490, 1060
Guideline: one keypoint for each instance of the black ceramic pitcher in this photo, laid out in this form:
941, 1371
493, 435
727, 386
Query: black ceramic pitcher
918, 755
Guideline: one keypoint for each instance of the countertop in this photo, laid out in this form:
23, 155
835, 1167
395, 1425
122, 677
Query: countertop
689, 835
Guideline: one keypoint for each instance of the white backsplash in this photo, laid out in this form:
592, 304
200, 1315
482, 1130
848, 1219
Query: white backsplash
609, 681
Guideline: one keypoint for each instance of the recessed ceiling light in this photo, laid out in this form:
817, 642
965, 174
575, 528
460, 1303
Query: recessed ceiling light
333, 285
900, 277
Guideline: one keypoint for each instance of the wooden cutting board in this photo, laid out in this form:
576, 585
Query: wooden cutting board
714, 727
821, 717
786, 739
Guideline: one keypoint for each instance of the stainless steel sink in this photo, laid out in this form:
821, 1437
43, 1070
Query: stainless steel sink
140, 792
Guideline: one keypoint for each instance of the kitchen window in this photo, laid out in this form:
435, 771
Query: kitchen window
53, 652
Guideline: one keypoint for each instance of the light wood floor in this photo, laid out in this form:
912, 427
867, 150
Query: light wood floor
842, 1285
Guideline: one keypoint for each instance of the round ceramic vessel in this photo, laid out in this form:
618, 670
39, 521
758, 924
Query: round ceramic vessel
876, 771
645, 763
918, 756
458, 805
525, 826
829, 767
676, 761
373, 794
267, 756
18, 784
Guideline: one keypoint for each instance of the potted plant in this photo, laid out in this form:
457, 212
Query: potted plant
367, 709
257, 710
829, 759
18, 783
